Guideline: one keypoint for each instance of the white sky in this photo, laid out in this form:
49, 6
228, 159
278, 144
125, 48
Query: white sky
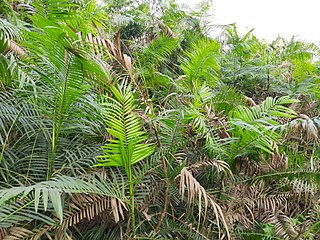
269, 18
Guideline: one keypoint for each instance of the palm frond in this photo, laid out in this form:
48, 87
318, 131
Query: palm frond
47, 196
257, 127
226, 99
128, 147
202, 63
159, 50
196, 191
9, 30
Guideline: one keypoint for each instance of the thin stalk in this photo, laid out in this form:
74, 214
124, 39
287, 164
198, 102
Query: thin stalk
56, 128
55, 135
166, 198
51, 156
131, 191
31, 156
7, 136
16, 211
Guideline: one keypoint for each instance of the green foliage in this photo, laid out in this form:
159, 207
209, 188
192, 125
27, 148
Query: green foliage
201, 64
3, 43
127, 146
46, 196
256, 127
226, 99
87, 87
155, 57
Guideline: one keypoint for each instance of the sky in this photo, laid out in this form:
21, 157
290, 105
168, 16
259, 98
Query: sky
269, 18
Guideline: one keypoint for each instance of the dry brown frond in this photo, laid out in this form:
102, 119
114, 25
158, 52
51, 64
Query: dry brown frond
104, 47
88, 206
252, 168
3, 233
220, 125
306, 106
284, 65
266, 202
197, 192
302, 190
277, 160
15, 48
220, 165
250, 101
82, 207
284, 228
165, 28
308, 125
17, 233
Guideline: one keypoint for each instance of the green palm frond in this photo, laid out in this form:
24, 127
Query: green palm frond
171, 125
159, 50
19, 211
202, 64
300, 51
61, 62
48, 195
16, 119
3, 43
198, 112
154, 60
12, 75
226, 99
9, 30
257, 127
56, 10
128, 146
5, 8
271, 107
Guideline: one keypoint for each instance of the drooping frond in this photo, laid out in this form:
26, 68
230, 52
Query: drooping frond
47, 195
8, 30
196, 192
82, 208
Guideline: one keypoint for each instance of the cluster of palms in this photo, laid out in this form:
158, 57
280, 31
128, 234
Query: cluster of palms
125, 120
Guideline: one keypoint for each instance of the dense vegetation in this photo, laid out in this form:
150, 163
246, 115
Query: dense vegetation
126, 120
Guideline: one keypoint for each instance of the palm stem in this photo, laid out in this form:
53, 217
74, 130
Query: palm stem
55, 135
131, 191
166, 199
56, 130
8, 134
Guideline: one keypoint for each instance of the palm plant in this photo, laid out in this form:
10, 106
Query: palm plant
257, 126
47, 133
128, 146
84, 92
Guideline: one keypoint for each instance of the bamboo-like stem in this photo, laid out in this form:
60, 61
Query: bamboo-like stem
132, 210
166, 197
